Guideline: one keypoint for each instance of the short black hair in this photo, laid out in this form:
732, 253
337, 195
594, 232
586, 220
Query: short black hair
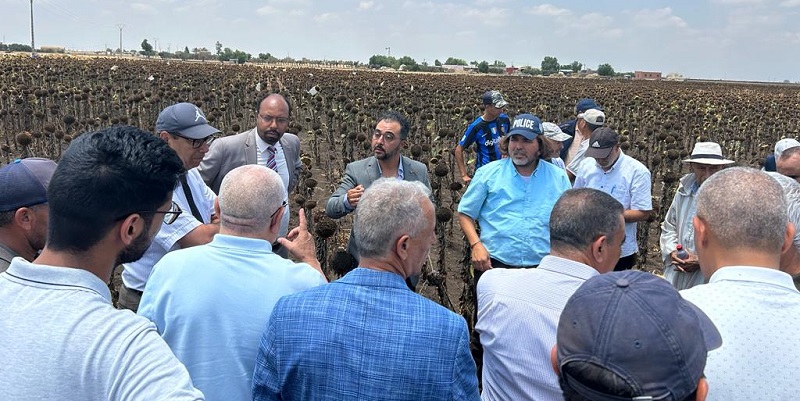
582, 215
396, 116
105, 176
263, 96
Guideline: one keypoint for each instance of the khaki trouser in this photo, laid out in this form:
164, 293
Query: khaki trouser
128, 298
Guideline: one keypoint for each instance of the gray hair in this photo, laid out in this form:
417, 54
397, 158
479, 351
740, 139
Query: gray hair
744, 208
388, 209
582, 215
791, 189
248, 196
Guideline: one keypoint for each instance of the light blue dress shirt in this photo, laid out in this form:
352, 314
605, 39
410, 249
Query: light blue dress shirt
757, 312
211, 304
514, 211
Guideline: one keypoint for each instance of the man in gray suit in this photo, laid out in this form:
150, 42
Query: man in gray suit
267, 144
388, 138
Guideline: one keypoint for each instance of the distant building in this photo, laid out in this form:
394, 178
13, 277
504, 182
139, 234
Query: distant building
52, 49
653, 75
512, 70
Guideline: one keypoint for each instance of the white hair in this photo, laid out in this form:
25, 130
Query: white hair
248, 197
389, 209
791, 190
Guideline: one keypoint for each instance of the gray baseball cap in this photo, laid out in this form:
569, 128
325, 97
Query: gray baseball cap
185, 119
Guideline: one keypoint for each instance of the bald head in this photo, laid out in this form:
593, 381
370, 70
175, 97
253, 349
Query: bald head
248, 197
744, 209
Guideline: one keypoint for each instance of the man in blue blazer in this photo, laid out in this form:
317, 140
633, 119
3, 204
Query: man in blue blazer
359, 337
388, 138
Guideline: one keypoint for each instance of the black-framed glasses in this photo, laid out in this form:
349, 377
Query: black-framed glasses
283, 205
169, 215
269, 119
197, 143
388, 136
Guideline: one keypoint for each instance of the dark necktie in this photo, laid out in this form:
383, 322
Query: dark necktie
271, 163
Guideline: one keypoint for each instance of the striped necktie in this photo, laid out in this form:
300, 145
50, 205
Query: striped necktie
271, 163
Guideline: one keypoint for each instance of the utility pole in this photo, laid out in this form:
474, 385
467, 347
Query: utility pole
120, 26
33, 47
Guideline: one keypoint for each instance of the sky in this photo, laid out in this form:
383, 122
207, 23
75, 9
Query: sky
717, 39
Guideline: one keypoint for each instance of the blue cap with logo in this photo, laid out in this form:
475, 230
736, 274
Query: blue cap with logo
185, 119
586, 104
526, 125
24, 182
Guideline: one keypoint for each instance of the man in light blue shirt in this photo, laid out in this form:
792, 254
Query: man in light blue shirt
518, 309
610, 170
741, 230
511, 199
212, 302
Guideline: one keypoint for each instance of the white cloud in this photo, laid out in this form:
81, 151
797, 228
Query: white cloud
325, 17
739, 2
492, 16
549, 10
267, 10
143, 8
790, 3
660, 18
366, 5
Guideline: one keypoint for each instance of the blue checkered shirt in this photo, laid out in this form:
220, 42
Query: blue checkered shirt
364, 337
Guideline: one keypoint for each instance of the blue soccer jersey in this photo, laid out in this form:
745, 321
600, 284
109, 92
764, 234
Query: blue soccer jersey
486, 136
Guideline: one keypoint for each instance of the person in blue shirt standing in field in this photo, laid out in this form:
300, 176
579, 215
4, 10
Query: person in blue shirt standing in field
485, 132
512, 200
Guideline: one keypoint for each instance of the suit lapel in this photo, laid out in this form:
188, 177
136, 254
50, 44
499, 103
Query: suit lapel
250, 147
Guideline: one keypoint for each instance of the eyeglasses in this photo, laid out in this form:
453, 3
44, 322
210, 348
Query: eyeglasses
169, 215
269, 119
283, 205
197, 143
387, 136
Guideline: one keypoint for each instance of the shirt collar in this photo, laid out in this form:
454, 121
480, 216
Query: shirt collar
374, 278
232, 241
400, 173
753, 273
568, 267
28, 273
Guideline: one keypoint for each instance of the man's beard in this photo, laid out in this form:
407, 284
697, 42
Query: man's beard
136, 250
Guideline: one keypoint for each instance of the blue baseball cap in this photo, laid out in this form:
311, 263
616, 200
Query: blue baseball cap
586, 104
526, 125
24, 182
637, 326
185, 119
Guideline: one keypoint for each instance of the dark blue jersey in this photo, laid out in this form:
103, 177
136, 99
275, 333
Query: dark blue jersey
486, 136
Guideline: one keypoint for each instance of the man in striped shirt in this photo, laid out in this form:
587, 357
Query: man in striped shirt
518, 309
485, 132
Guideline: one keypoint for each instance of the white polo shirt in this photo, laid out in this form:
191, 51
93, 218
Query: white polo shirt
628, 181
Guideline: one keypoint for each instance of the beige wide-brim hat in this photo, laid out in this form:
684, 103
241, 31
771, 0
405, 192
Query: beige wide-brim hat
707, 153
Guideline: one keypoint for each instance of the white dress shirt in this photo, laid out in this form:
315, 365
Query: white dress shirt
757, 312
280, 160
